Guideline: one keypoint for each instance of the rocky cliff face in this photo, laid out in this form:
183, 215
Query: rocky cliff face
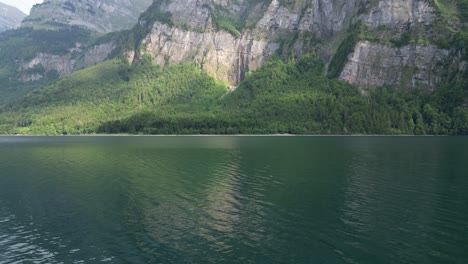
411, 66
10, 17
77, 58
219, 53
398, 13
98, 15
229, 39
406, 64
395, 41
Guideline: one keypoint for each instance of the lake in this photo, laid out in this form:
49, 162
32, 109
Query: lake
234, 200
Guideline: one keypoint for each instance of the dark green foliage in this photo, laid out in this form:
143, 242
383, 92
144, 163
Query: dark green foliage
463, 9
460, 121
293, 97
37, 69
21, 45
453, 9
296, 98
404, 40
228, 24
281, 97
163, 17
346, 47
111, 91
24, 43
287, 3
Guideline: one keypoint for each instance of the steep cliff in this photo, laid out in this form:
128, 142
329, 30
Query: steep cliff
60, 37
97, 15
403, 44
78, 57
399, 43
29, 55
229, 39
396, 42
10, 17
410, 66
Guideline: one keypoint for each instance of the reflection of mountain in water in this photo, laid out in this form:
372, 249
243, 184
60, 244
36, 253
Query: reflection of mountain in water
218, 199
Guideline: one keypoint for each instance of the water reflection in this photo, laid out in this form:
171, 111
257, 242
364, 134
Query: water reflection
233, 199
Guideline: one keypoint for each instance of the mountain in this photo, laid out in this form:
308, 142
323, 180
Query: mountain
59, 37
102, 16
249, 66
32, 58
390, 42
10, 17
228, 39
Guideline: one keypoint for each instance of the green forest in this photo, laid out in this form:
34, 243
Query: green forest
291, 94
294, 97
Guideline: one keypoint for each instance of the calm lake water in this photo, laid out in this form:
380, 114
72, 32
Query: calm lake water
234, 200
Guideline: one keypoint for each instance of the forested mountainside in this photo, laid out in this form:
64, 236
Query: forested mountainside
59, 37
10, 17
252, 66
293, 97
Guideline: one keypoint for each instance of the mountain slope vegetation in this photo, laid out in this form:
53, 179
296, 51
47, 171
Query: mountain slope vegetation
276, 72
59, 37
293, 97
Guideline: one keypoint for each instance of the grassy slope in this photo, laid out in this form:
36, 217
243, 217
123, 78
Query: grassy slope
110, 91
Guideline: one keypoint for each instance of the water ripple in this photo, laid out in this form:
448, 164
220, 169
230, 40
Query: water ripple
232, 200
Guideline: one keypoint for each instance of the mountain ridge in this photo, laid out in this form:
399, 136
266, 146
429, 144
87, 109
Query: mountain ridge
228, 42
103, 16
47, 47
10, 17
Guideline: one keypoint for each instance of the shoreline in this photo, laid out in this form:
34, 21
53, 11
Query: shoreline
233, 135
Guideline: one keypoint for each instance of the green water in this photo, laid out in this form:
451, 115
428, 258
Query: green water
234, 200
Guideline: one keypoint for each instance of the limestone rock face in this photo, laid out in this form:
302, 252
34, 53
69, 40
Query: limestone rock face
227, 39
97, 15
61, 64
410, 67
228, 52
64, 64
219, 53
400, 12
96, 54
229, 55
